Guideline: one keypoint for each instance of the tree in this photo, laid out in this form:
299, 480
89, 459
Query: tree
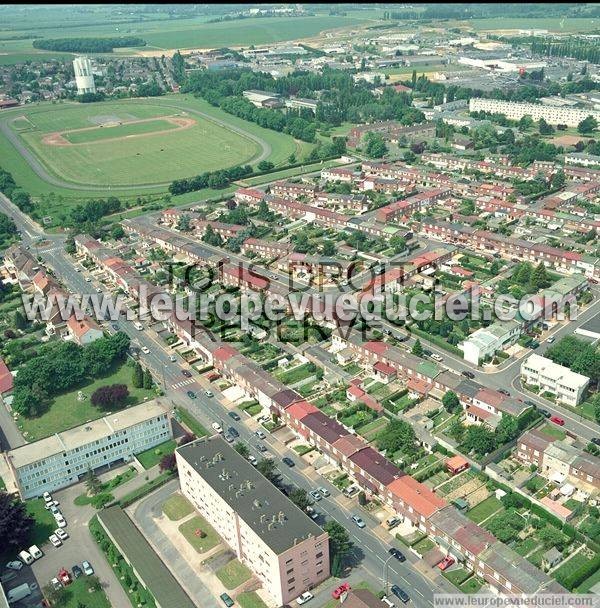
184, 223
242, 449
211, 237
397, 435
526, 123
110, 397
374, 145
539, 277
299, 497
186, 438
148, 382
266, 467
398, 244
138, 376
479, 439
20, 320
15, 523
558, 179
92, 483
70, 246
117, 232
168, 462
506, 526
340, 545
450, 401
417, 348
545, 128
328, 247
265, 165
587, 125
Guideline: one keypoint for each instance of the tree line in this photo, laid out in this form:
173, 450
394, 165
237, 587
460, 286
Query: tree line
210, 179
87, 45
18, 196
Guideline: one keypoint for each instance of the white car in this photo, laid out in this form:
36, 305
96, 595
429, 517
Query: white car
87, 568
55, 510
173, 358
60, 521
35, 552
61, 534
26, 557
14, 565
47, 497
53, 503
145, 350
55, 540
305, 597
217, 427
436, 357
252, 460
88, 279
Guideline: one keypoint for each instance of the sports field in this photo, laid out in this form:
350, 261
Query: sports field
126, 144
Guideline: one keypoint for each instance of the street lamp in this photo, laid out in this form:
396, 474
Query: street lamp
385, 572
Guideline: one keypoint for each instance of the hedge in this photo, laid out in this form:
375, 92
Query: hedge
146, 489
552, 519
581, 574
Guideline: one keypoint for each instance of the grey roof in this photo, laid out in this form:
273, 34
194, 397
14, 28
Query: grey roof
275, 518
153, 573
468, 387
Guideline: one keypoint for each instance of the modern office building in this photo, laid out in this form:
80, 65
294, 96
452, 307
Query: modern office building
554, 115
84, 76
64, 458
282, 546
569, 387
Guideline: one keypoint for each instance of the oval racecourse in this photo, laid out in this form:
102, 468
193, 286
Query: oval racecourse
134, 143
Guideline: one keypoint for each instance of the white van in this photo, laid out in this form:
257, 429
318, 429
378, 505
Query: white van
18, 593
35, 552
436, 357
26, 557
138, 326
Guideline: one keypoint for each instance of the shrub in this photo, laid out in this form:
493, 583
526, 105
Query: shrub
108, 397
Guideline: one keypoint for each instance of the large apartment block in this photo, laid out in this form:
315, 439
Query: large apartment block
569, 387
64, 458
554, 115
282, 546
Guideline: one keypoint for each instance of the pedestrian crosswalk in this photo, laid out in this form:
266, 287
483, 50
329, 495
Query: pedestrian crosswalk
183, 383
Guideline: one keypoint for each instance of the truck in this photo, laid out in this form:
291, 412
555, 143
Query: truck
18, 593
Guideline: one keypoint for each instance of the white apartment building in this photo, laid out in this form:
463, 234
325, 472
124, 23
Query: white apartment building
64, 458
515, 111
569, 387
580, 158
486, 341
282, 546
84, 76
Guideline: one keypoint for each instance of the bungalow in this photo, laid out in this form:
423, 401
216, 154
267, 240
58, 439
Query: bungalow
456, 465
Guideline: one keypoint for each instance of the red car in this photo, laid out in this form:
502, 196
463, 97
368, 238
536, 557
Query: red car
335, 594
446, 562
557, 420
64, 577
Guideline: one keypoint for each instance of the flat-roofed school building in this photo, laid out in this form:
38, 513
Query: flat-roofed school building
64, 458
280, 544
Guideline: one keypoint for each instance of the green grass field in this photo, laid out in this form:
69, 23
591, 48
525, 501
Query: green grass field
197, 523
233, 574
150, 458
484, 509
176, 507
66, 411
250, 599
123, 130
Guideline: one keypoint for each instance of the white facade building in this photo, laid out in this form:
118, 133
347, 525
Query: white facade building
515, 111
64, 458
568, 386
486, 341
282, 546
84, 76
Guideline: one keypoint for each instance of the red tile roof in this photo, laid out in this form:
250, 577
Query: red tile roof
416, 495
378, 348
225, 352
384, 368
301, 409
479, 412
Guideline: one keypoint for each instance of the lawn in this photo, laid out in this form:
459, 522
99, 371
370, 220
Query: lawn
553, 432
150, 458
250, 599
188, 419
484, 509
300, 372
473, 585
77, 594
233, 574
588, 583
190, 530
526, 546
571, 565
86, 135
457, 576
66, 411
370, 431
176, 507
423, 546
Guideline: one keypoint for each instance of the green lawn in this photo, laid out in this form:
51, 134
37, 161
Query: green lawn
123, 130
77, 595
424, 545
233, 574
190, 528
571, 565
484, 509
473, 585
188, 419
589, 582
553, 432
150, 458
296, 374
457, 576
250, 599
177, 507
115, 482
66, 411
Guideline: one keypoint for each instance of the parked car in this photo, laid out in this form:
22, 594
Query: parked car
55, 584
186, 373
288, 461
545, 413
55, 540
26, 557
172, 358
14, 565
47, 497
350, 491
261, 447
557, 420
392, 522
87, 568
260, 434
530, 403
53, 503
61, 534
252, 460
235, 416
358, 521
60, 521
534, 345
64, 577
397, 554
77, 571
53, 508
229, 438
595, 440
35, 552
504, 392
145, 350
324, 492
335, 594
233, 432
437, 357
227, 600
388, 603
305, 597
209, 393
468, 374
191, 394
315, 495
312, 513
446, 563
400, 593
551, 339
217, 427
